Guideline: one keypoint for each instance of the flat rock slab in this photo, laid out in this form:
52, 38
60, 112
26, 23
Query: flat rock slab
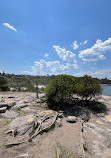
7, 104
28, 110
3, 110
97, 137
15, 107
9, 114
22, 124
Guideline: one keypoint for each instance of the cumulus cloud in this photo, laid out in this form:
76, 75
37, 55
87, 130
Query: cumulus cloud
97, 74
97, 51
65, 55
75, 45
46, 55
85, 42
43, 67
102, 73
9, 26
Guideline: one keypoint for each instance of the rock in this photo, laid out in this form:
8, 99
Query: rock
9, 114
15, 107
23, 105
3, 110
24, 156
28, 110
71, 119
38, 101
59, 122
11, 97
50, 115
42, 100
85, 117
7, 104
60, 114
101, 115
22, 124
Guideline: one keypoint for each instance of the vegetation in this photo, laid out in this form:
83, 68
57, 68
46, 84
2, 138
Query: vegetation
88, 87
18, 82
85, 147
3, 84
64, 87
60, 89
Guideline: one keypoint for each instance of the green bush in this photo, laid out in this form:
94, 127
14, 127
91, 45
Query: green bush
88, 87
65, 86
3, 84
60, 88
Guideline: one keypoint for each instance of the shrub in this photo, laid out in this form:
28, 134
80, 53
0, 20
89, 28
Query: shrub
59, 89
63, 88
88, 87
3, 84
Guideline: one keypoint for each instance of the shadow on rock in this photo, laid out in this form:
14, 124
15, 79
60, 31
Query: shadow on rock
82, 108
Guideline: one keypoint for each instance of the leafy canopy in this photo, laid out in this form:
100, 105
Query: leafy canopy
60, 88
65, 86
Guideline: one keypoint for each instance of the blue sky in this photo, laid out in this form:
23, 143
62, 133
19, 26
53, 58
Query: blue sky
41, 37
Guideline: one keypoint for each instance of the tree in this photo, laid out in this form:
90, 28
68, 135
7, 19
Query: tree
88, 87
3, 84
59, 89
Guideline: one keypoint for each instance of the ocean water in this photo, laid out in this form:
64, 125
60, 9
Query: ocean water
106, 90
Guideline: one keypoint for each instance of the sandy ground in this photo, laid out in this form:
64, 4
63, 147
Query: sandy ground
67, 140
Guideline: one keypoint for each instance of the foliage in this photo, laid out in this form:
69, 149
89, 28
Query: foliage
41, 90
59, 89
3, 84
88, 87
85, 147
64, 87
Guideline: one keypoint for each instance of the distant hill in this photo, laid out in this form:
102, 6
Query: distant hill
25, 82
29, 82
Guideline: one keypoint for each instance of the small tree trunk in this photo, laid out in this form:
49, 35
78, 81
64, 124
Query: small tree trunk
37, 90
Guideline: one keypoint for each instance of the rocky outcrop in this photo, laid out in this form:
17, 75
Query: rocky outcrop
71, 119
3, 110
9, 114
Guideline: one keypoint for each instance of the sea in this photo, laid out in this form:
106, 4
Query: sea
106, 90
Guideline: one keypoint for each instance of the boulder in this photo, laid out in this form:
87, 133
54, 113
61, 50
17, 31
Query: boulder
7, 104
15, 107
23, 105
9, 114
22, 124
28, 110
71, 119
3, 110
38, 100
59, 122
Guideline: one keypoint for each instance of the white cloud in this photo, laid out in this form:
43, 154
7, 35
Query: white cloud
97, 51
9, 26
85, 42
102, 73
97, 74
75, 45
43, 67
46, 55
65, 55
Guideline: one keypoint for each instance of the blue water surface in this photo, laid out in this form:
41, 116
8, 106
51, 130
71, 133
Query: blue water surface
106, 90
